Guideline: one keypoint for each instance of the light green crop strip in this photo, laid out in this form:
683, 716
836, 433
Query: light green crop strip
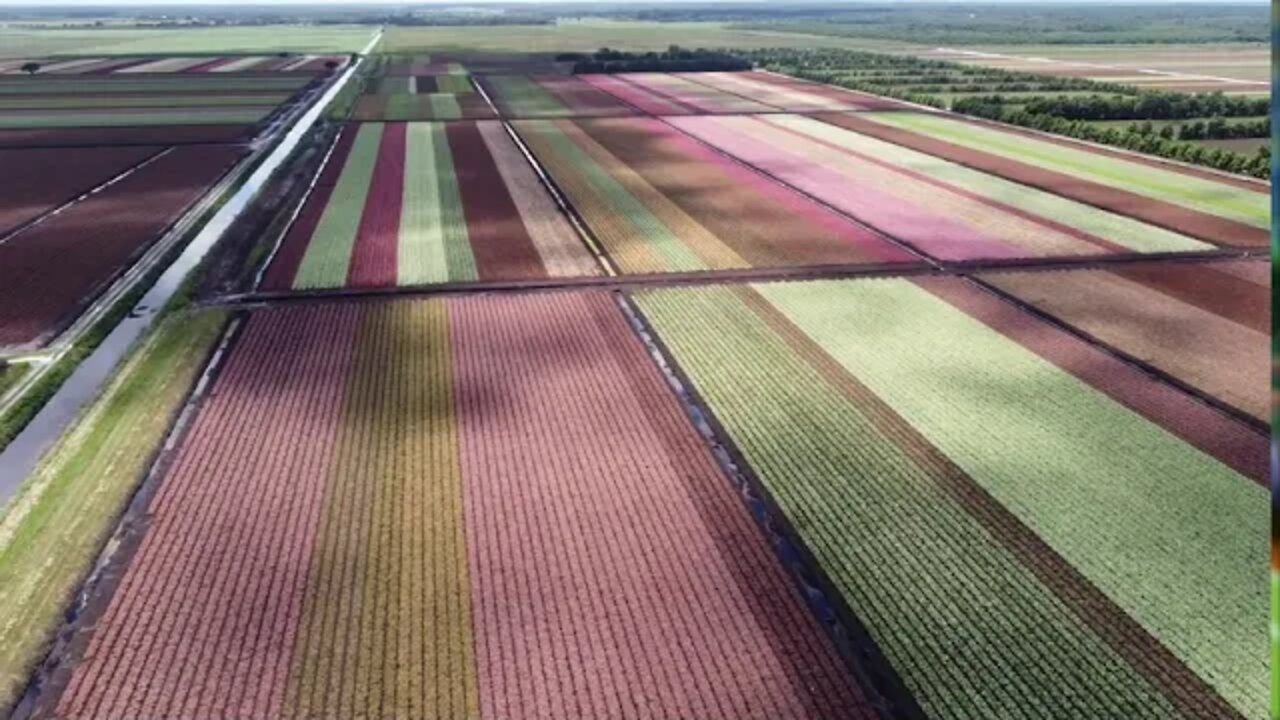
678, 256
1169, 533
459, 259
456, 84
421, 256
522, 97
328, 255
1119, 229
1178, 188
925, 577
444, 107
400, 107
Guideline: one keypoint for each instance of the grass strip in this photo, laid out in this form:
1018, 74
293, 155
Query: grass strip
421, 255
51, 534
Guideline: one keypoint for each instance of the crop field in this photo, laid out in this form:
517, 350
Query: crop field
660, 202
312, 64
453, 465
35, 181
537, 96
421, 203
417, 89
48, 271
1206, 325
1217, 208
980, 513
628, 396
941, 208
16, 42
730, 93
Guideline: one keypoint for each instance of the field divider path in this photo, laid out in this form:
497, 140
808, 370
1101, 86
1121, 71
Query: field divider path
13, 232
720, 277
886, 691
1254, 423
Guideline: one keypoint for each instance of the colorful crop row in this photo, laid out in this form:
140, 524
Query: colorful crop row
1205, 324
140, 100
422, 106
659, 202
130, 135
730, 93
51, 269
941, 208
132, 85
131, 66
980, 486
132, 117
462, 508
34, 182
421, 203
535, 96
1214, 207
459, 84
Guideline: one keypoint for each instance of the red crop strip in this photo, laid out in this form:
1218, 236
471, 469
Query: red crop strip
1207, 288
294, 246
208, 65
499, 239
1235, 444
373, 261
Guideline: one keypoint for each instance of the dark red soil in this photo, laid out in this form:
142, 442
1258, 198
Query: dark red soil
35, 181
50, 270
1207, 288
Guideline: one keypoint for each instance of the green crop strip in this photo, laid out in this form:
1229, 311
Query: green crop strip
1203, 195
461, 262
400, 106
421, 256
1165, 530
523, 97
328, 253
926, 578
1119, 229
456, 84
444, 107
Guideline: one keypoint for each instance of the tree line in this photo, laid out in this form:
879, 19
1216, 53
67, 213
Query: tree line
673, 59
1148, 106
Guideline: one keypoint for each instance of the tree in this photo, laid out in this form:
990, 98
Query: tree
31, 68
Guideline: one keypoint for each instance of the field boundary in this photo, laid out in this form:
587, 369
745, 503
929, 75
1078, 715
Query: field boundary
1235, 413
82, 196
91, 599
718, 277
853, 642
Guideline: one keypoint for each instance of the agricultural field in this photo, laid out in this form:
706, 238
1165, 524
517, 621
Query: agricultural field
468, 448
981, 513
1215, 208
414, 88
403, 204
116, 108
50, 270
640, 395
941, 208
311, 64
19, 42
1206, 325
1234, 67
660, 202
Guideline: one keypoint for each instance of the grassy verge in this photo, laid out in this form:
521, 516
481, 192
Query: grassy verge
51, 534
11, 374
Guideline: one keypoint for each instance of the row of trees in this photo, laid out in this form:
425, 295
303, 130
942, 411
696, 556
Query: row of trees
1148, 106
673, 59
1258, 165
